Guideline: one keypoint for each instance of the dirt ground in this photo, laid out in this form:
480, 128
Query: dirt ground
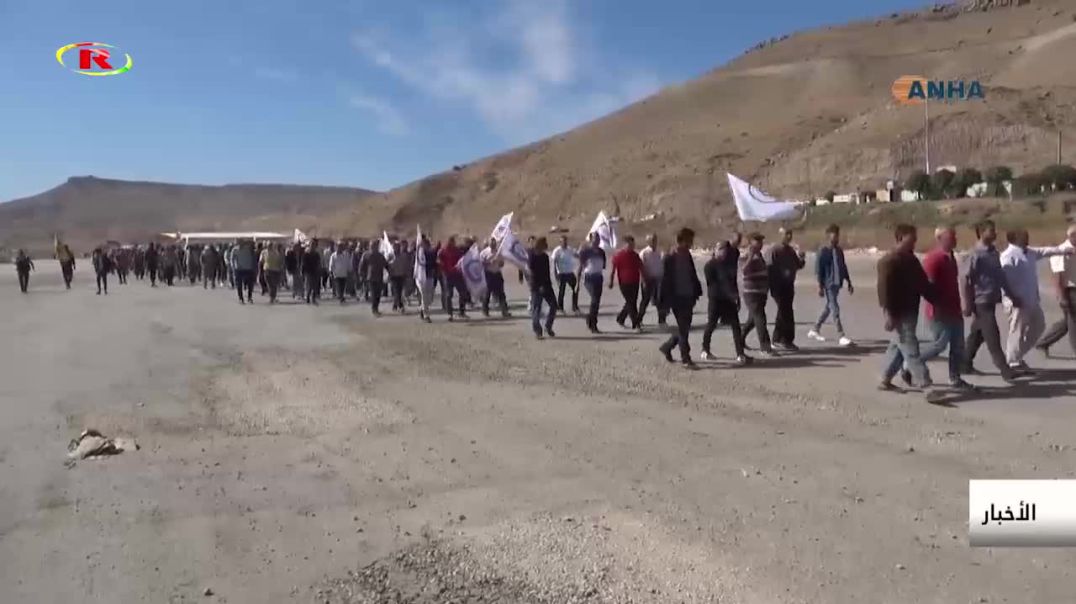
305, 454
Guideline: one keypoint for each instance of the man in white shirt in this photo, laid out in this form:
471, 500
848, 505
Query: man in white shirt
340, 267
653, 270
1064, 271
494, 266
1027, 322
565, 264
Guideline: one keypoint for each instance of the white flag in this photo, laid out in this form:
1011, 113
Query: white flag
606, 232
513, 251
755, 206
420, 258
300, 237
474, 273
503, 227
386, 247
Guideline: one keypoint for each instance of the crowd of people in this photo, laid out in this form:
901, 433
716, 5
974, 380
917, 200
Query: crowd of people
736, 282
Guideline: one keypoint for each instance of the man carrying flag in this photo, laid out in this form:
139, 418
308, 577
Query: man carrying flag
448, 260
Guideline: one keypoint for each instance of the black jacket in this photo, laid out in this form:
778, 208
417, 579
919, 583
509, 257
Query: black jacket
720, 281
669, 285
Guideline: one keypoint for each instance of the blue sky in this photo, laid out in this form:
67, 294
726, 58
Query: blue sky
369, 93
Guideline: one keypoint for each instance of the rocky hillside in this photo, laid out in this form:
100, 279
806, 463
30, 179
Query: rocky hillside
88, 210
800, 115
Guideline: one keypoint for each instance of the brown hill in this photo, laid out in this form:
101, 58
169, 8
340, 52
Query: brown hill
799, 116
88, 210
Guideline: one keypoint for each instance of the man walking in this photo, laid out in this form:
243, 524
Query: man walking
566, 264
493, 264
901, 284
23, 266
102, 266
373, 268
1064, 271
311, 273
541, 287
724, 301
246, 264
680, 289
756, 291
944, 314
984, 284
1026, 323
67, 263
832, 272
590, 272
152, 262
629, 268
399, 269
272, 268
425, 277
448, 260
784, 262
653, 265
340, 266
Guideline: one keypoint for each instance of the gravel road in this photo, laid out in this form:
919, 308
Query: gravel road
303, 454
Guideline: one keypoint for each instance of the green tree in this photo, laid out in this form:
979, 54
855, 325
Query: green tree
1060, 177
830, 195
919, 182
996, 176
1031, 183
965, 179
941, 183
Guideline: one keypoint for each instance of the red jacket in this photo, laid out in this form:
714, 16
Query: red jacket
448, 258
942, 271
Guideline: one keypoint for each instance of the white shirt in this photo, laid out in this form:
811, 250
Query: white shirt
491, 263
565, 260
653, 265
1021, 274
1065, 264
340, 264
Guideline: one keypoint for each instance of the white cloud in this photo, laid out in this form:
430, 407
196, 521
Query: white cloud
276, 75
522, 70
390, 120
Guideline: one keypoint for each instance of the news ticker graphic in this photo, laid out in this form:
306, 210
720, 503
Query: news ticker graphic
1022, 513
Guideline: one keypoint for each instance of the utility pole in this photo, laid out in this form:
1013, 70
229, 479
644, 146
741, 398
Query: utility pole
1059, 147
926, 135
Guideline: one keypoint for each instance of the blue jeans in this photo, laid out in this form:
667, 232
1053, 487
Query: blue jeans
593, 283
903, 352
538, 296
832, 309
947, 334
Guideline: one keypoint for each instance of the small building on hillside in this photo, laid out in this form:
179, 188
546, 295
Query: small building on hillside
846, 198
907, 195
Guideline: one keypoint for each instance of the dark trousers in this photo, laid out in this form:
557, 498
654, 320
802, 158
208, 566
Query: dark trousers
68, 270
495, 291
377, 288
538, 296
1067, 324
652, 293
272, 280
102, 282
630, 291
756, 319
244, 280
340, 288
725, 311
593, 283
153, 275
170, 275
984, 328
784, 324
313, 288
682, 310
567, 280
24, 280
263, 282
454, 283
397, 286
209, 277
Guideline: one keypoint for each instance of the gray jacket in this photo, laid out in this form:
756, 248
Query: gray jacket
985, 280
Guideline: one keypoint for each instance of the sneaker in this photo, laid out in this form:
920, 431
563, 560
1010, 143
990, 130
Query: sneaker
845, 341
689, 364
766, 354
621, 324
814, 335
538, 335
743, 360
888, 387
788, 347
706, 356
427, 319
667, 354
962, 385
906, 377
549, 332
